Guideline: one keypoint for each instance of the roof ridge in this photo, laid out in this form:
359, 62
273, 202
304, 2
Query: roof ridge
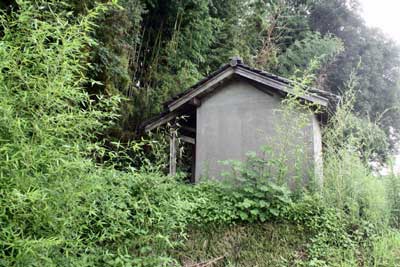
286, 80
236, 62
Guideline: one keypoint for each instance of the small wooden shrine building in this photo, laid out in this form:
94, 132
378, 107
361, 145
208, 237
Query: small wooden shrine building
232, 112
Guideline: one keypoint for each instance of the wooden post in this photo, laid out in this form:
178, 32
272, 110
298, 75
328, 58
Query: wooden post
172, 152
193, 176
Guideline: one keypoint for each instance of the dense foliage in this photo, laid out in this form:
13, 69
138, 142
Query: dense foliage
65, 200
149, 50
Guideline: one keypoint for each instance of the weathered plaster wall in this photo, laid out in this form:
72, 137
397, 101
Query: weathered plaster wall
238, 118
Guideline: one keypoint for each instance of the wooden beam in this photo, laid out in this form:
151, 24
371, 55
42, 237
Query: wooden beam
195, 102
172, 152
188, 139
163, 120
189, 129
193, 174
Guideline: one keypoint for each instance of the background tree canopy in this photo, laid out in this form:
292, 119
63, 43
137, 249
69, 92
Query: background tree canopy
149, 50
76, 76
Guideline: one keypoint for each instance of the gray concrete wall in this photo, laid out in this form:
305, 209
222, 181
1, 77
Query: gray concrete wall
238, 118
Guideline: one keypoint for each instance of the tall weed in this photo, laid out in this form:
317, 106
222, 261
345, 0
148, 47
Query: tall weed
349, 183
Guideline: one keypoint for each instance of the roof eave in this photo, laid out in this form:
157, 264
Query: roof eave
208, 85
319, 100
234, 68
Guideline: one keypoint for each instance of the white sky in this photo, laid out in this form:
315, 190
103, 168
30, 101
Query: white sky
384, 14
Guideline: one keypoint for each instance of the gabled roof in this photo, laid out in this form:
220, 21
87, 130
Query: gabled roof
235, 68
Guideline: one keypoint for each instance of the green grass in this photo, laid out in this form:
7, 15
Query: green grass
278, 245
245, 245
386, 250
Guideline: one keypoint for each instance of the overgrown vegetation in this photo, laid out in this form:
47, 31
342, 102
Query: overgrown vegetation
66, 199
